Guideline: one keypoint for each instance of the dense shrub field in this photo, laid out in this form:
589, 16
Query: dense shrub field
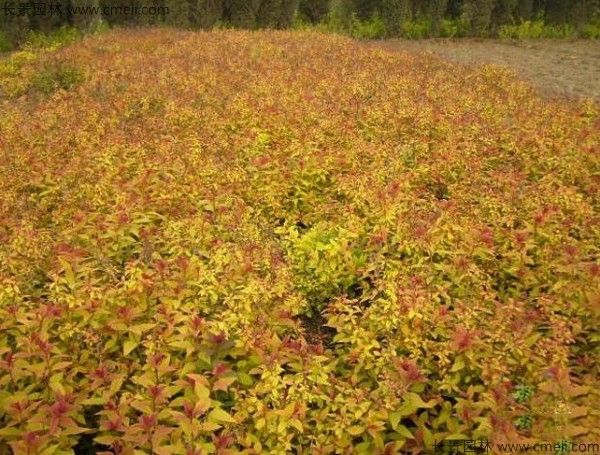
286, 242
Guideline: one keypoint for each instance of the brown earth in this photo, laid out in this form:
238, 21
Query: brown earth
556, 68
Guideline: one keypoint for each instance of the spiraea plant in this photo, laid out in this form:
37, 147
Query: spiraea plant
286, 242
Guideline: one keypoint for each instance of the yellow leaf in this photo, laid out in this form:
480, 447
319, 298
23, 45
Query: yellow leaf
116, 385
220, 415
356, 430
287, 411
578, 390
56, 383
141, 328
69, 274
209, 427
73, 430
282, 426
202, 405
297, 425
129, 346
49, 450
166, 450
95, 401
260, 423
201, 390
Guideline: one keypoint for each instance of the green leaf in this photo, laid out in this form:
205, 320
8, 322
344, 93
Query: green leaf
531, 339
407, 409
412, 403
395, 418
403, 431
459, 364
245, 379
11, 432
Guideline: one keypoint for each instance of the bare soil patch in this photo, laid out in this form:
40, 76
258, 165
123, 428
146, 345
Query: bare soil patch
556, 68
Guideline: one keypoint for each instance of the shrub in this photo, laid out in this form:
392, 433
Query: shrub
56, 76
313, 11
591, 31
205, 13
15, 72
327, 261
454, 28
373, 28
165, 237
54, 40
535, 30
418, 29
338, 19
395, 13
99, 27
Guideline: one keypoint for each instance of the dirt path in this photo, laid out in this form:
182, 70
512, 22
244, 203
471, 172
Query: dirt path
557, 68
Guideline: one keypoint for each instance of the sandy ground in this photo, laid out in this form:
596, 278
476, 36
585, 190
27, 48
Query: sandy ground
556, 68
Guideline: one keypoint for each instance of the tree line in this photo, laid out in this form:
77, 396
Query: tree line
481, 17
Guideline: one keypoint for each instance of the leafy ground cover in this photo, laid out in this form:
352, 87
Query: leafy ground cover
285, 242
556, 68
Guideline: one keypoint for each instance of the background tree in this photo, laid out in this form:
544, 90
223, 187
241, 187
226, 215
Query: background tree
436, 10
313, 10
275, 13
524, 10
454, 9
484, 17
582, 10
394, 13
479, 13
241, 13
365, 9
117, 18
85, 22
556, 11
14, 30
503, 13
179, 13
289, 8
340, 13
269, 13
205, 13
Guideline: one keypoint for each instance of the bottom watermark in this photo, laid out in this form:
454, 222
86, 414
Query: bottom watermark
463, 446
